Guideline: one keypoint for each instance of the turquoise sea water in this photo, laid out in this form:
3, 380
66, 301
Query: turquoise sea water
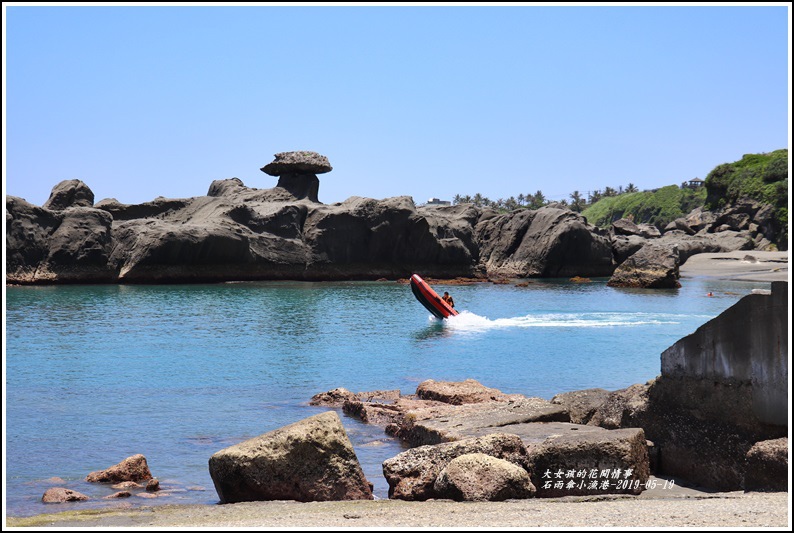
95, 374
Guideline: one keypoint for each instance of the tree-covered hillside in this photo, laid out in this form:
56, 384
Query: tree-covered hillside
762, 177
659, 207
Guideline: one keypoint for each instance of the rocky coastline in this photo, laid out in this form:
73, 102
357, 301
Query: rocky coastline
239, 233
714, 418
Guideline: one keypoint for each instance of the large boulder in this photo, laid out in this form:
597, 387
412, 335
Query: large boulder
69, 193
28, 232
767, 466
134, 468
480, 477
412, 474
547, 242
652, 267
385, 238
310, 460
590, 463
628, 227
444, 423
581, 404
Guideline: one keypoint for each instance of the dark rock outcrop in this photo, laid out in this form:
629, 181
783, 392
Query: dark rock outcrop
310, 460
547, 242
654, 267
237, 233
69, 193
134, 468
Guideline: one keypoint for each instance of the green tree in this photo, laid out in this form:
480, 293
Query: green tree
577, 202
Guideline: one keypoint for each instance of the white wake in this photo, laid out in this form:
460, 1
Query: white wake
468, 321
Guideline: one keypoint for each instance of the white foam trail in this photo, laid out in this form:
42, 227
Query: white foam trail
467, 321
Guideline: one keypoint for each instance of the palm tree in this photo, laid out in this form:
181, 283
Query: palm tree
631, 188
577, 202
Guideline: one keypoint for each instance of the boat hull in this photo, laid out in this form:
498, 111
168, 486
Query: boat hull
430, 299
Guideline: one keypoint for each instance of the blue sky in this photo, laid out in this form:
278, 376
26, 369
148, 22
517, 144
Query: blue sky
141, 101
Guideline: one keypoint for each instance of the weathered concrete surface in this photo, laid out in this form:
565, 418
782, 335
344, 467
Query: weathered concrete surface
736, 365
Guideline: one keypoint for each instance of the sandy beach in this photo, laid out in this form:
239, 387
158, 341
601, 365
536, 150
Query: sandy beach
679, 507
738, 266
687, 509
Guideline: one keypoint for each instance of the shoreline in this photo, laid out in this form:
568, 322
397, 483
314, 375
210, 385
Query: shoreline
729, 509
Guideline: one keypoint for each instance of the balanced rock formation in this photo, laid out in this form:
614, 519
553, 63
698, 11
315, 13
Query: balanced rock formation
134, 468
297, 173
310, 460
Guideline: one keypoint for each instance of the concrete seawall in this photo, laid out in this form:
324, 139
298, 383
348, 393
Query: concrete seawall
739, 359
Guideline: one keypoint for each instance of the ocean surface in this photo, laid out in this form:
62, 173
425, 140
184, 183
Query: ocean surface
95, 374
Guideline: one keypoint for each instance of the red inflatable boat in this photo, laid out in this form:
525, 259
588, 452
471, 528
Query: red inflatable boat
428, 297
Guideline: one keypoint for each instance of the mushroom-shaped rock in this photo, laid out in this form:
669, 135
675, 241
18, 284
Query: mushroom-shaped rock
132, 468
298, 163
297, 172
69, 193
310, 460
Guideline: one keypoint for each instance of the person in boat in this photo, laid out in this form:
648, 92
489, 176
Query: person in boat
447, 298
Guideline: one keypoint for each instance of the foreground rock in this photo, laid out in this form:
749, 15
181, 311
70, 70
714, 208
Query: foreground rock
581, 405
62, 495
310, 460
480, 477
586, 463
134, 468
767, 466
413, 473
